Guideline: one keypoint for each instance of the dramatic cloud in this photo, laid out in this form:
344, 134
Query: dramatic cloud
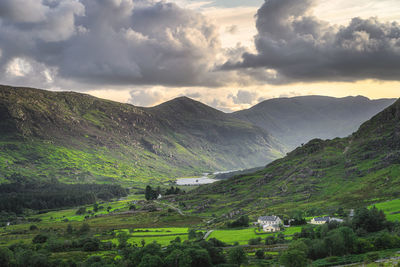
293, 45
116, 42
244, 97
146, 98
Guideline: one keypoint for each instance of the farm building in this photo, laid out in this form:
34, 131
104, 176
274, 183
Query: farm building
269, 220
271, 228
320, 220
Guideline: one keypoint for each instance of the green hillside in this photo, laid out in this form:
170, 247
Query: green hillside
75, 137
343, 172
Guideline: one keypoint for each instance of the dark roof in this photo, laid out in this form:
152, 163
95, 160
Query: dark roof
321, 219
268, 218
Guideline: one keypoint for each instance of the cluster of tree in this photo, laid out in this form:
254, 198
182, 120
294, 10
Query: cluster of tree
197, 252
242, 221
16, 197
368, 231
151, 193
173, 191
269, 240
295, 218
7, 218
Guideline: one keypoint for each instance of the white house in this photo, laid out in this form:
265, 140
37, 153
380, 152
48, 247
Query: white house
269, 220
271, 228
320, 220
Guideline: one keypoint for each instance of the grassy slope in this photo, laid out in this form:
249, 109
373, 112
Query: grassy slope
79, 138
362, 168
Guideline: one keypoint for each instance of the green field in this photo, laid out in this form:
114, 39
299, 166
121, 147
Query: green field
162, 236
242, 236
70, 214
390, 208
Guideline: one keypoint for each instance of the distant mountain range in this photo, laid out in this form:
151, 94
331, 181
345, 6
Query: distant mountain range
73, 137
323, 174
297, 120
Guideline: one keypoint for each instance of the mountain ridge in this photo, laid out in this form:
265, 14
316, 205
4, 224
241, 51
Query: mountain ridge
318, 176
297, 120
75, 137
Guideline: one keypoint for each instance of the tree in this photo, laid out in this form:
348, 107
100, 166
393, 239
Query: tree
255, 241
370, 220
95, 207
237, 256
243, 221
270, 240
6, 257
192, 234
151, 261
293, 258
85, 228
199, 257
70, 230
39, 239
80, 211
122, 240
91, 244
260, 254
178, 258
334, 243
148, 193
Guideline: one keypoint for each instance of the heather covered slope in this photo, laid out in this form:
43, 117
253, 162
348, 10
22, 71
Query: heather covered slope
351, 171
297, 120
75, 137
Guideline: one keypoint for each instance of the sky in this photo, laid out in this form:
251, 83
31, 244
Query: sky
230, 54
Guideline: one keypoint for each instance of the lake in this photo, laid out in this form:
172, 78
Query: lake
205, 179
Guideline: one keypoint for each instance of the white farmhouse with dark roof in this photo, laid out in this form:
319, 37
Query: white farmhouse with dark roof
271, 228
269, 220
320, 220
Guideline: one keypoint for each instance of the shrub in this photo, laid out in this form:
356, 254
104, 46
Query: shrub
81, 211
39, 239
371, 256
255, 241
260, 254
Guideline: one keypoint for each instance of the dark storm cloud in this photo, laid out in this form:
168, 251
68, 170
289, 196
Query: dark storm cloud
113, 42
297, 46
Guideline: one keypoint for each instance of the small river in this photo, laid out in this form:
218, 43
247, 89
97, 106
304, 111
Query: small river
205, 179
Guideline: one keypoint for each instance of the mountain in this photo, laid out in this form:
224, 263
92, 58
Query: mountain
73, 137
320, 175
297, 120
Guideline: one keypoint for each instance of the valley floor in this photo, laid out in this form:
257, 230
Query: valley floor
143, 222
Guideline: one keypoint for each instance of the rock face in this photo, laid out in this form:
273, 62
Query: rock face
79, 138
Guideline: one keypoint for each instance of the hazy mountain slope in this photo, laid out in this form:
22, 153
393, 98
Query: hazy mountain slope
198, 126
79, 138
299, 119
364, 167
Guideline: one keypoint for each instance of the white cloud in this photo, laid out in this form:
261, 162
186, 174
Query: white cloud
18, 67
244, 97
